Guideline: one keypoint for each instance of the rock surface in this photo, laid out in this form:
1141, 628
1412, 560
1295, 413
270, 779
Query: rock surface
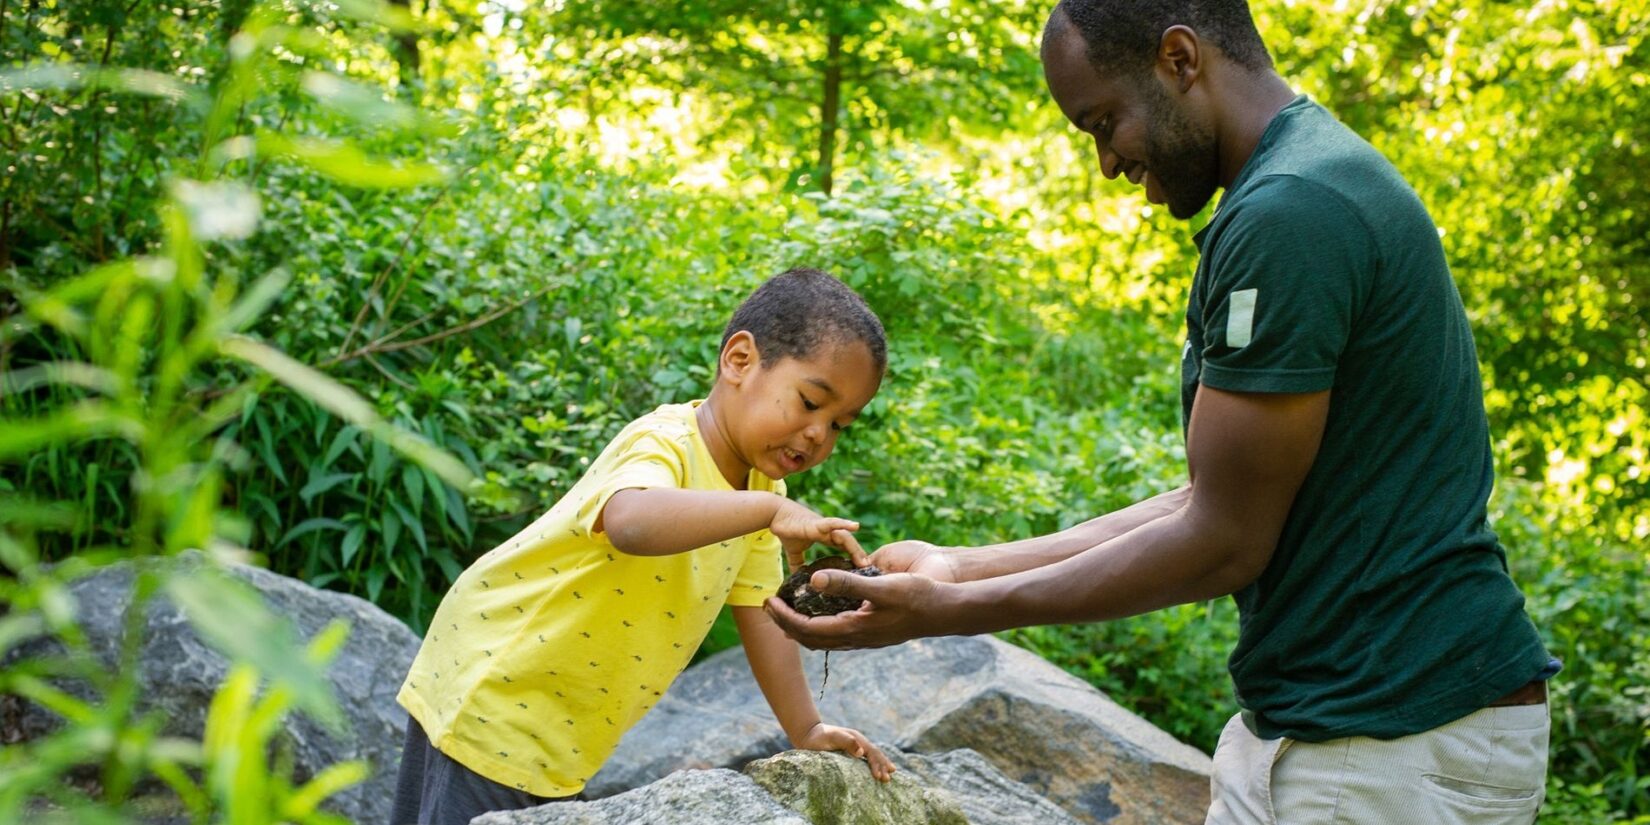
984, 794
1035, 723
957, 788
714, 797
832, 789
982, 731
180, 673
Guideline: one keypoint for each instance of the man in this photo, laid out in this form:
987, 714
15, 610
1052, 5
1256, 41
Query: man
1337, 449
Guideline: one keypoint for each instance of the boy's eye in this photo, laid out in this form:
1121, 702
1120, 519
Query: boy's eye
837, 427
808, 405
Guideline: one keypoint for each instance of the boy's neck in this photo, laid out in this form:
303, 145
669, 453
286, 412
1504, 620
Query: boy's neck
717, 442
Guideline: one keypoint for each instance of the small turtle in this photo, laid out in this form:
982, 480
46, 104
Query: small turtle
809, 602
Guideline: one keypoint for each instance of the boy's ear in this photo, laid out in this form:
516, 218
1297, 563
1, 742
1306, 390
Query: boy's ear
739, 357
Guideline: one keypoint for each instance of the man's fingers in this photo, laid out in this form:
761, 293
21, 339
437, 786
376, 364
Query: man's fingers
818, 633
843, 583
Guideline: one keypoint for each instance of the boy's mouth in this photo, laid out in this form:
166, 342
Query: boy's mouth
794, 460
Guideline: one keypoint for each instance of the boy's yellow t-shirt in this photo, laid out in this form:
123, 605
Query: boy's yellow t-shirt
554, 643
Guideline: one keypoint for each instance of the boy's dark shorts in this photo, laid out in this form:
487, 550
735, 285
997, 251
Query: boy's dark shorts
432, 789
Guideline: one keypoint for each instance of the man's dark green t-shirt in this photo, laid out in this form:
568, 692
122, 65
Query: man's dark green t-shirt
1386, 609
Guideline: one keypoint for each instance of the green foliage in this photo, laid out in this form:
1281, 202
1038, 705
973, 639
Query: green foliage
141, 364
619, 175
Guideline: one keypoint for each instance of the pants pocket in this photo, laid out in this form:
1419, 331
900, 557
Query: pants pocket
1481, 793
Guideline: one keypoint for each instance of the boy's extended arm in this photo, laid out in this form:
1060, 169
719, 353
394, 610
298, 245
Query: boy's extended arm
659, 521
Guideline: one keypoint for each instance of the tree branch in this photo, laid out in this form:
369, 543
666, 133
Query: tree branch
385, 345
406, 385
378, 282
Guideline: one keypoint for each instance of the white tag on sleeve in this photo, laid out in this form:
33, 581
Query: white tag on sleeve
1240, 318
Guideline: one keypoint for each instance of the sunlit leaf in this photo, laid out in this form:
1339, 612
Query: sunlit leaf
330, 781
69, 77
344, 403
88, 419
60, 373
377, 11
346, 164
364, 105
21, 511
18, 628
218, 210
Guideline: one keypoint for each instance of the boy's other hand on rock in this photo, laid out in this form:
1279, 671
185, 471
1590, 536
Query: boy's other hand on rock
823, 737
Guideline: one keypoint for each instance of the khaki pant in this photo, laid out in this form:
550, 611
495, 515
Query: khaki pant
1487, 768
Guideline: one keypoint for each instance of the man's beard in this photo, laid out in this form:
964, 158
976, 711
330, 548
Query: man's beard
1181, 155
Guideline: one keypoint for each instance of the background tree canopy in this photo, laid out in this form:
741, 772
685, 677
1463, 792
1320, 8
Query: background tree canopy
511, 227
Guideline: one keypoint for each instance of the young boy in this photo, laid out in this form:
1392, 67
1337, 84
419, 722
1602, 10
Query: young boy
554, 643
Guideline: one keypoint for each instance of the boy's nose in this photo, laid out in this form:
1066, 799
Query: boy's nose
815, 433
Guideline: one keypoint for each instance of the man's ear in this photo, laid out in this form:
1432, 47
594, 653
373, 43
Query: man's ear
1180, 57
739, 358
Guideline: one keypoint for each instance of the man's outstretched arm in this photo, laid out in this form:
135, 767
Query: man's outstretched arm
966, 564
1248, 454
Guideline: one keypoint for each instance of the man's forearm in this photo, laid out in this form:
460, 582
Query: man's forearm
662, 521
993, 560
1170, 560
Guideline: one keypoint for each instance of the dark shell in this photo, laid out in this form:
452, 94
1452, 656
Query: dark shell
810, 602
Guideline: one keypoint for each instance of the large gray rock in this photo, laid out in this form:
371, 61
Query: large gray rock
984, 794
714, 797
1035, 723
832, 789
957, 788
179, 673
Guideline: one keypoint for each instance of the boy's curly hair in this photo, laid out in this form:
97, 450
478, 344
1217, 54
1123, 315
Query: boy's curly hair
796, 312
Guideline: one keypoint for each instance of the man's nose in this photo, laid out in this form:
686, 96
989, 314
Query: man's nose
1111, 164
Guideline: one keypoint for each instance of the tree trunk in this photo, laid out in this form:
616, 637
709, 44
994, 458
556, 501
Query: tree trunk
406, 52
5, 235
828, 109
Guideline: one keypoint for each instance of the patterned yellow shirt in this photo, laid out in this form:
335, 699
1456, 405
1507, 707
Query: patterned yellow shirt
554, 643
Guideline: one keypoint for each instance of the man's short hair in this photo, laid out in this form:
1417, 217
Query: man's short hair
796, 312
1123, 35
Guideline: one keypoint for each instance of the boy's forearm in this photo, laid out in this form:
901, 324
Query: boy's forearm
776, 662
662, 521
993, 560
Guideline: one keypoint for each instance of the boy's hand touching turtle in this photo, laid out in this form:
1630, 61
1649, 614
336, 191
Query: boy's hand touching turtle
799, 528
823, 737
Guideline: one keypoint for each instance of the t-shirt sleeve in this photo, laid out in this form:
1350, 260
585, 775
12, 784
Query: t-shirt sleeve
1283, 288
759, 577
638, 459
